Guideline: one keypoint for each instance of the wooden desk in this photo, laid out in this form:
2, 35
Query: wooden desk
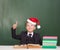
9, 47
28, 46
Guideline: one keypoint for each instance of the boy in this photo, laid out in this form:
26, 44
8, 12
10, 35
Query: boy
28, 36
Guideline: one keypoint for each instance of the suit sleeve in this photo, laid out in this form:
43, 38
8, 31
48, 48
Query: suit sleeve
40, 41
13, 31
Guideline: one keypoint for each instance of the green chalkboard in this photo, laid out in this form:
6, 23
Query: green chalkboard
47, 11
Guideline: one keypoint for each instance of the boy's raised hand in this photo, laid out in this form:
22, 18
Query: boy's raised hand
15, 25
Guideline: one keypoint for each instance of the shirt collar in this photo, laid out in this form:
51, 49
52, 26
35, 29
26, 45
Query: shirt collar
30, 33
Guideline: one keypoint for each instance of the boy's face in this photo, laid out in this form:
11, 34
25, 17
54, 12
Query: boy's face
30, 27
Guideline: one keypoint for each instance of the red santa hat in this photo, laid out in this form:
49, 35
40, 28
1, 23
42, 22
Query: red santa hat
34, 21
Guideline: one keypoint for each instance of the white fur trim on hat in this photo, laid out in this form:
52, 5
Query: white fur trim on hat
38, 26
31, 22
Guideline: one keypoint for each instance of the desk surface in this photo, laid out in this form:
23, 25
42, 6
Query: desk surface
11, 48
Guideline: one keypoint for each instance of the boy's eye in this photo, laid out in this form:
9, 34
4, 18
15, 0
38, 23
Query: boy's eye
27, 25
31, 25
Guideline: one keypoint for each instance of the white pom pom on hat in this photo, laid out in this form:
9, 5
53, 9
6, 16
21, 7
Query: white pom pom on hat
38, 26
34, 21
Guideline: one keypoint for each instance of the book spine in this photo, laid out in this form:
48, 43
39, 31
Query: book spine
48, 46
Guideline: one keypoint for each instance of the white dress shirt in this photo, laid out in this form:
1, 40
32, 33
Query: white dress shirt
30, 33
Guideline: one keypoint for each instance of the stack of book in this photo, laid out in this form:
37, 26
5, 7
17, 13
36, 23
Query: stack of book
49, 42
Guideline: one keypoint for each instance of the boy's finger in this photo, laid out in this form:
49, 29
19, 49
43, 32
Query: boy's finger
16, 22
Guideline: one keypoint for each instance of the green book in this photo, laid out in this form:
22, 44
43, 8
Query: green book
50, 39
48, 46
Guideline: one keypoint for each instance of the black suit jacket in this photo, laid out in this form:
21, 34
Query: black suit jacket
24, 39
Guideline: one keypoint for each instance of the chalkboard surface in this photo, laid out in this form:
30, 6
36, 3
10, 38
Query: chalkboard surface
47, 11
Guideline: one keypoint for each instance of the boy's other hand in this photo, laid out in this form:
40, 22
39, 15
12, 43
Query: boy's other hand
15, 25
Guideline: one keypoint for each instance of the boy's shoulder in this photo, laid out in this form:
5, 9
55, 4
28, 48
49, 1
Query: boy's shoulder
36, 33
23, 32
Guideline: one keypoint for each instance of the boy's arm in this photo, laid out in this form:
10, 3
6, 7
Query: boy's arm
40, 41
13, 31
